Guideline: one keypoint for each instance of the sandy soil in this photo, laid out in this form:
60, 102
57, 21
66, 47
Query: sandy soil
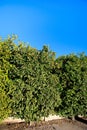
62, 124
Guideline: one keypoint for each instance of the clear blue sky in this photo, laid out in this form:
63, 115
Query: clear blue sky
60, 24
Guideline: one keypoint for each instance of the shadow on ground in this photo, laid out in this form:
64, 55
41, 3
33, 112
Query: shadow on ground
83, 120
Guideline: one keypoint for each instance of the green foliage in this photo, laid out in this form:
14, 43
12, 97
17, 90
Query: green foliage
4, 108
5, 83
72, 71
34, 84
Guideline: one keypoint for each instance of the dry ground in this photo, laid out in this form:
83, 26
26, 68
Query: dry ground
63, 124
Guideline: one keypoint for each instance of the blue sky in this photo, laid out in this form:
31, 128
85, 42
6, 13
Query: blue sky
60, 24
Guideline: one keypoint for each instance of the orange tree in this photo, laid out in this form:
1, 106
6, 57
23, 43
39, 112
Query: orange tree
35, 93
5, 83
72, 73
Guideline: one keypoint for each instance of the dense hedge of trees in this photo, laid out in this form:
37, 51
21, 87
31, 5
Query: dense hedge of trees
34, 83
72, 73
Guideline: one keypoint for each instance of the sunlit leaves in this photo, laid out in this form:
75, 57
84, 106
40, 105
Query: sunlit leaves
72, 72
34, 84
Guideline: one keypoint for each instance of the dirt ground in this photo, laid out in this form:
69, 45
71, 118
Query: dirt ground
63, 124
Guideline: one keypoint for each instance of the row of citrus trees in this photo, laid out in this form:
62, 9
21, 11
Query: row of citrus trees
34, 83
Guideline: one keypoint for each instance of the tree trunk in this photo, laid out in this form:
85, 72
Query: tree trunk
73, 118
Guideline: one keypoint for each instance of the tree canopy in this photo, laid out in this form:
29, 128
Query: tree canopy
34, 83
